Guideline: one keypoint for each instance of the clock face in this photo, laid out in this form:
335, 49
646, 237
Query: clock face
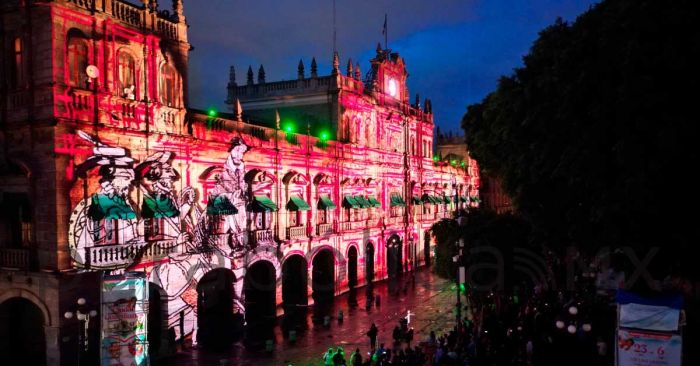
393, 87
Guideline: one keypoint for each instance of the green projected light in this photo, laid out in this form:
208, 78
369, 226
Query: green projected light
289, 127
212, 113
435, 158
324, 136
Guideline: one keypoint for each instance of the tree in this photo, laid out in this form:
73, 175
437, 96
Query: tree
594, 137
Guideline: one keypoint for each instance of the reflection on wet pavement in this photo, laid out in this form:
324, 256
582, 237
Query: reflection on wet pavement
320, 327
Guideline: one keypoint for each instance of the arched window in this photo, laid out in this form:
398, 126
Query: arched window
77, 62
17, 75
127, 76
168, 85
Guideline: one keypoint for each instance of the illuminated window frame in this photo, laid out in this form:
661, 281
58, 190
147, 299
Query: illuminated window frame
168, 90
78, 52
126, 73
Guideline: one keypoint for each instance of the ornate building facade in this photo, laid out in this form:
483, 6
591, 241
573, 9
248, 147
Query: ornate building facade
324, 183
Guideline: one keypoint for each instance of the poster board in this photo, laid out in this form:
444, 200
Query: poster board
124, 300
640, 348
648, 332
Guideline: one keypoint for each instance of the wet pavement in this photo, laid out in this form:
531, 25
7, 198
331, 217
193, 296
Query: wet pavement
431, 299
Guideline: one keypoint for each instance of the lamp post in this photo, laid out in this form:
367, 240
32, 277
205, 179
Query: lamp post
83, 315
460, 278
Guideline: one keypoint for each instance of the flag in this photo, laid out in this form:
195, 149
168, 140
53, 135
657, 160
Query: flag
384, 29
277, 119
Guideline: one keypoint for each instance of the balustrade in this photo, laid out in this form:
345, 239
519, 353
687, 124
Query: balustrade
262, 236
127, 13
296, 232
354, 225
124, 254
324, 229
14, 258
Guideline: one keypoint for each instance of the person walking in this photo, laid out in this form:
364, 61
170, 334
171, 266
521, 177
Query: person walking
372, 334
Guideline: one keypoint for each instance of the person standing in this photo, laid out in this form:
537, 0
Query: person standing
356, 358
372, 334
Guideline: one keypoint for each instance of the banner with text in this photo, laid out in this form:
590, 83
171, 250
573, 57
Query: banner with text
124, 320
638, 348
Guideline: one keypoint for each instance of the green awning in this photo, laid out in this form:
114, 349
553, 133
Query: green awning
437, 199
373, 201
296, 203
325, 203
105, 207
475, 199
160, 206
363, 202
417, 200
263, 204
462, 199
350, 202
396, 200
220, 205
426, 198
446, 199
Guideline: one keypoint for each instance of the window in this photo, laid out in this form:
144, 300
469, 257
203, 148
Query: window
155, 228
15, 220
127, 76
322, 216
106, 232
217, 224
168, 85
262, 220
16, 76
293, 218
77, 62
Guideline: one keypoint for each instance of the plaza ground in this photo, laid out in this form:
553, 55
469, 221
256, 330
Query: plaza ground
431, 299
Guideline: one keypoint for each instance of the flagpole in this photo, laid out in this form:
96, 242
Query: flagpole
386, 34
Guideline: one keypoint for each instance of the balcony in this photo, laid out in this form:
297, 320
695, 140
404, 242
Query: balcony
373, 222
324, 229
354, 225
121, 255
263, 236
15, 258
394, 221
296, 232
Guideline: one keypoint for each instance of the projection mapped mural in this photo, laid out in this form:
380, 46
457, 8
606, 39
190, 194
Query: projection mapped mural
135, 219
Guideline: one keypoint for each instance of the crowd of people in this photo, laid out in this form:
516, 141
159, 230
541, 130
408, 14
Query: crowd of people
527, 325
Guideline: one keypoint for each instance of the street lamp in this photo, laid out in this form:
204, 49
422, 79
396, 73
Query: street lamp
460, 278
83, 315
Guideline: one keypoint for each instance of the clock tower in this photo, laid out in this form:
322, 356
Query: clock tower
388, 77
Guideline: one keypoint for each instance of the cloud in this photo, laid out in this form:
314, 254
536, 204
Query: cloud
455, 49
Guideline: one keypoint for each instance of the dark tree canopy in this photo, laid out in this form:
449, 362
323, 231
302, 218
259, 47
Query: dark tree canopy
595, 137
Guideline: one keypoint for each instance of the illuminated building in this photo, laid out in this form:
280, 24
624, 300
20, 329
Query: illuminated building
104, 168
487, 191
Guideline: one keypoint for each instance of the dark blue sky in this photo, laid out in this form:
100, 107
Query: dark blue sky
455, 50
